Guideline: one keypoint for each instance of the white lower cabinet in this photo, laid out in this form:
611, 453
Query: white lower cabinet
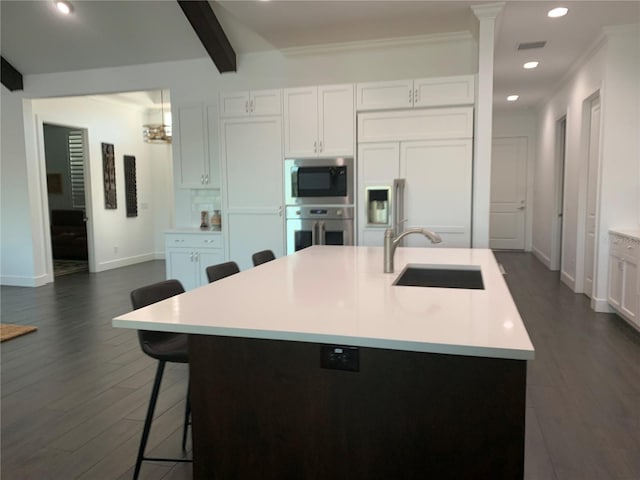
188, 254
624, 286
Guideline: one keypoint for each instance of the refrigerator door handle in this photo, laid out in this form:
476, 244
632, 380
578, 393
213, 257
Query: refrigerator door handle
398, 209
321, 233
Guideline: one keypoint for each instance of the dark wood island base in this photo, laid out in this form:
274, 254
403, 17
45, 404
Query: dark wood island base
265, 409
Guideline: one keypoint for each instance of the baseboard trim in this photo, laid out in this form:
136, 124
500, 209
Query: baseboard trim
124, 262
546, 261
20, 281
568, 280
601, 305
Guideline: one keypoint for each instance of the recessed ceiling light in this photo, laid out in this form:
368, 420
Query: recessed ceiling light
64, 7
557, 12
530, 65
513, 98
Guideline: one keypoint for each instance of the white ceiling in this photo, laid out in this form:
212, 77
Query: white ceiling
35, 39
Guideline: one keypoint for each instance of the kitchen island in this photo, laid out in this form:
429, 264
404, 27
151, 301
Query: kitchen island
316, 366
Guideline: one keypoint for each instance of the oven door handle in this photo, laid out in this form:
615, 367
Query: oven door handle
321, 233
314, 233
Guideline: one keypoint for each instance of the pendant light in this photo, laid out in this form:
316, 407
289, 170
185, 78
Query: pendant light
158, 132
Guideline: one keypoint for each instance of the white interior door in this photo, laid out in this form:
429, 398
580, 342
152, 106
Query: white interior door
508, 193
592, 191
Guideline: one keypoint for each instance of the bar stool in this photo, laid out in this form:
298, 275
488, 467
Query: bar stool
261, 257
164, 347
221, 270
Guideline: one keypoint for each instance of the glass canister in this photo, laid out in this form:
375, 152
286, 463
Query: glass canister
216, 220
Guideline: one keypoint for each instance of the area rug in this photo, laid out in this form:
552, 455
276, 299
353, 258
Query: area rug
9, 331
66, 267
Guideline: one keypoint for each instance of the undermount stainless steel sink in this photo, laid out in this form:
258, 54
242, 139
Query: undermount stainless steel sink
441, 276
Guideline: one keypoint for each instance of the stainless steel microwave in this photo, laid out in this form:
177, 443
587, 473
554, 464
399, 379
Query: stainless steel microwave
319, 181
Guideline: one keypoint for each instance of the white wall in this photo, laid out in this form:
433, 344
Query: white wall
613, 72
17, 255
568, 100
121, 125
198, 81
509, 123
620, 146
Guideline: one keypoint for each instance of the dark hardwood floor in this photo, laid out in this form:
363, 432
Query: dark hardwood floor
75, 392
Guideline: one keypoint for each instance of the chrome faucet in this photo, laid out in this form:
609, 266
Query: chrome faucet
391, 243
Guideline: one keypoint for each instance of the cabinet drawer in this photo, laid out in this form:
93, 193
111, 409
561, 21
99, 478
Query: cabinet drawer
193, 240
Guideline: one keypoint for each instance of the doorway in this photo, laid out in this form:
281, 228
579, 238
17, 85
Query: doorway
508, 193
65, 152
593, 167
558, 221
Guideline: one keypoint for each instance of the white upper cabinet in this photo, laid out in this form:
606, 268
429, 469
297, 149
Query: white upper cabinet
418, 124
255, 102
425, 92
319, 121
336, 120
191, 147
384, 95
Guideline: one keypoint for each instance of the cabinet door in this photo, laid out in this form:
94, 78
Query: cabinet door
335, 120
234, 104
629, 304
214, 147
418, 124
252, 232
429, 92
207, 257
253, 164
252, 152
181, 265
614, 296
265, 102
191, 147
301, 122
378, 163
438, 189
384, 95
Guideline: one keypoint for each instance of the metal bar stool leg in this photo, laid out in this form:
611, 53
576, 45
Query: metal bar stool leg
187, 413
149, 417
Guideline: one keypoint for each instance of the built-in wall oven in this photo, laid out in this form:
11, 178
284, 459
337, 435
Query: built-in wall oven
319, 181
318, 225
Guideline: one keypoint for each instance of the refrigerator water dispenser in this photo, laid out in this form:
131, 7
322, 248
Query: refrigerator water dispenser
378, 205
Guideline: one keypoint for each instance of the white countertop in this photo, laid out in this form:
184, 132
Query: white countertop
339, 295
627, 232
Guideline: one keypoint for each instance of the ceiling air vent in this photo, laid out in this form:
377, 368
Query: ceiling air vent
531, 45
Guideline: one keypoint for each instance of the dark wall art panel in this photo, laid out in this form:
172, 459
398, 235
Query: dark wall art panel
131, 192
109, 174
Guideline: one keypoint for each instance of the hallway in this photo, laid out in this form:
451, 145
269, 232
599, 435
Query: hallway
75, 392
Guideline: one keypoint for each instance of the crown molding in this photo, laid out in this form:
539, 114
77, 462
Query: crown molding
488, 10
415, 40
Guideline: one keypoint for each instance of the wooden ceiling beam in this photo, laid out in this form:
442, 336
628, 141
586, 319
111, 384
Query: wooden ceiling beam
11, 78
209, 31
